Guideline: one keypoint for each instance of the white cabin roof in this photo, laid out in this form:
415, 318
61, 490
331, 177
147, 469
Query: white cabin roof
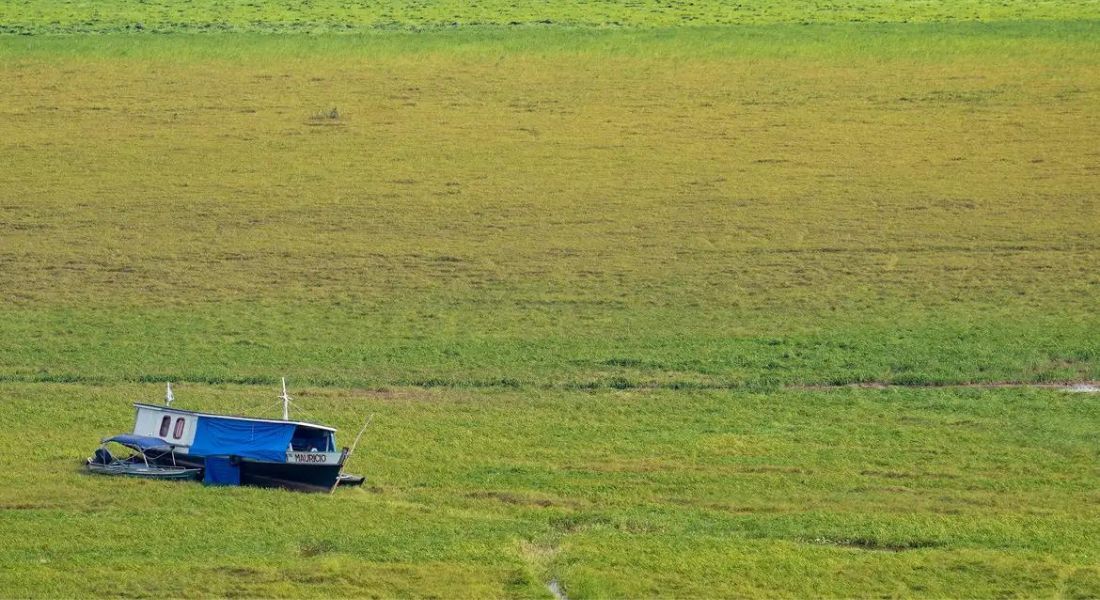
173, 409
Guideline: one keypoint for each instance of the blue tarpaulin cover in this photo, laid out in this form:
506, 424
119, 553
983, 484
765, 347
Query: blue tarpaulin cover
220, 471
261, 440
139, 442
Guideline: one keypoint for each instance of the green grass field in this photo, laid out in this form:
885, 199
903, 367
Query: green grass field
160, 16
612, 493
601, 284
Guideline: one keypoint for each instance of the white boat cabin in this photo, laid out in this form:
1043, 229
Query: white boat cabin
310, 443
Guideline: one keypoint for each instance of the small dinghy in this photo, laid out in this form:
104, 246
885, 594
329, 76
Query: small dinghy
149, 457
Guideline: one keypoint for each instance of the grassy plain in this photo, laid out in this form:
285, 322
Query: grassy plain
704, 208
613, 493
167, 16
572, 271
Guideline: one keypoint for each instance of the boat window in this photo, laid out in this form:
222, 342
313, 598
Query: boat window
311, 440
164, 424
178, 433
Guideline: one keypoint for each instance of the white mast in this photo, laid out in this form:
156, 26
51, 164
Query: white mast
168, 397
286, 402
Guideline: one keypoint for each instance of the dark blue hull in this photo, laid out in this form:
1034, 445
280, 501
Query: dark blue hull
306, 478
292, 476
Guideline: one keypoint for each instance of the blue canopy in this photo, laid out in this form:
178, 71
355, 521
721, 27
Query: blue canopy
261, 440
139, 442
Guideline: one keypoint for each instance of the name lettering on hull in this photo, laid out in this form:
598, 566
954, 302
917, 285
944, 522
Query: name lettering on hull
314, 458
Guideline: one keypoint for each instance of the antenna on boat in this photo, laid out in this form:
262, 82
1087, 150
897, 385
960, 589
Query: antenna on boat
168, 397
286, 402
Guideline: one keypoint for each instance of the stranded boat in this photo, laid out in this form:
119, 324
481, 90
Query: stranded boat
234, 450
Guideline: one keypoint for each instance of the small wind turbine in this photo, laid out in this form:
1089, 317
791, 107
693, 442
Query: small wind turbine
168, 397
286, 402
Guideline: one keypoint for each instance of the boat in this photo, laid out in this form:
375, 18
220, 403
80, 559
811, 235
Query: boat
142, 460
240, 450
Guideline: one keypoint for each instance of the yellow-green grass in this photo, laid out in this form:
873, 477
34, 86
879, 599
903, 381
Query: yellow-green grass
570, 271
614, 493
713, 208
167, 16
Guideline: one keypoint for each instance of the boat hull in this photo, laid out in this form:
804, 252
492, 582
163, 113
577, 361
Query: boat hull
291, 476
301, 477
